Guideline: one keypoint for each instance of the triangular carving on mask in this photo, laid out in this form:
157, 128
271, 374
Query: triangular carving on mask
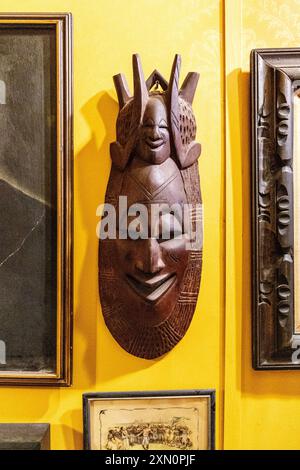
156, 82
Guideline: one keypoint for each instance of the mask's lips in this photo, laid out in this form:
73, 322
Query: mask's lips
151, 289
154, 144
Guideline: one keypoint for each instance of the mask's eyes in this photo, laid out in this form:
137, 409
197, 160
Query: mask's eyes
169, 227
148, 123
163, 124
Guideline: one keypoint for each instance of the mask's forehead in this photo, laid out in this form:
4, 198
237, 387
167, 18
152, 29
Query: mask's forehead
144, 183
155, 110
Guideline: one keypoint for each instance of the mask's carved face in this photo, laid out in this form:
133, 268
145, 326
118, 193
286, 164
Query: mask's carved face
153, 268
154, 139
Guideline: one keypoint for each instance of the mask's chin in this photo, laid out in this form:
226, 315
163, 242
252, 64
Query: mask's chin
154, 154
152, 289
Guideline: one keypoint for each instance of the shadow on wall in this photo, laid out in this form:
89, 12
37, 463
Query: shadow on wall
271, 383
92, 166
107, 360
73, 439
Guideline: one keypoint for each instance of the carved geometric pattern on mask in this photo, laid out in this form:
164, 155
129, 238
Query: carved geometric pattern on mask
151, 192
146, 341
196, 213
139, 339
191, 182
175, 120
196, 256
187, 127
173, 257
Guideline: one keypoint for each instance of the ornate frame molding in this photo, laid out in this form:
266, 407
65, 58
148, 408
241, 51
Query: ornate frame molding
275, 76
62, 22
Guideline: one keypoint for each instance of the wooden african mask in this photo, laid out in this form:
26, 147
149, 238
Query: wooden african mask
149, 282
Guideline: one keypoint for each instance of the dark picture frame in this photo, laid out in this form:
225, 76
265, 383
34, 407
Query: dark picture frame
53, 328
163, 395
275, 79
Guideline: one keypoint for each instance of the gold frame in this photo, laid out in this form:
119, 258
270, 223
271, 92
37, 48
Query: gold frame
64, 82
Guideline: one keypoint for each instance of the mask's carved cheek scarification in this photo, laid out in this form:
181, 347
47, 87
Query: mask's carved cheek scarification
149, 286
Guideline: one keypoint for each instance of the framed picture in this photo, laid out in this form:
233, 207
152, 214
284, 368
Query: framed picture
275, 75
165, 420
36, 199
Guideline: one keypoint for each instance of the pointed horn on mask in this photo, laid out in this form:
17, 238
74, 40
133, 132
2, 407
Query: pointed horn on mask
140, 92
120, 154
185, 156
188, 88
173, 108
122, 89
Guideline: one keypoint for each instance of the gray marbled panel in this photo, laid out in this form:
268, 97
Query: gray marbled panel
24, 436
28, 199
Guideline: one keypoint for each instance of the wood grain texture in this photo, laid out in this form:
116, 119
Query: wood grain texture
149, 287
274, 74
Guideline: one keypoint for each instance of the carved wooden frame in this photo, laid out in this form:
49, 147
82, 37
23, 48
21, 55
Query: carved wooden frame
62, 22
275, 76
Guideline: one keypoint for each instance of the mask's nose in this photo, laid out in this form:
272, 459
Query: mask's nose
150, 260
154, 133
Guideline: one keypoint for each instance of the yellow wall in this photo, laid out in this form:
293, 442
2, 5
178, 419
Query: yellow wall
106, 33
260, 409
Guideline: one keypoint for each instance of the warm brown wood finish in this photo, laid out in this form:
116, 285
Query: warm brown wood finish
62, 23
149, 285
275, 75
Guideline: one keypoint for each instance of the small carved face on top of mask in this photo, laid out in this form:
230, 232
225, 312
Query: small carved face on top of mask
153, 144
